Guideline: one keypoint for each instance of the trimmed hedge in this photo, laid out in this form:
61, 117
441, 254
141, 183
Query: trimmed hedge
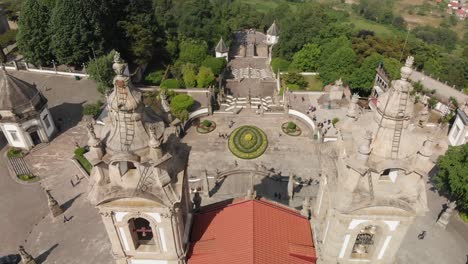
171, 84
248, 142
79, 156
154, 78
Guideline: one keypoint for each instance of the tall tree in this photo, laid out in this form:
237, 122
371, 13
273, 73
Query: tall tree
340, 64
363, 78
77, 31
307, 59
33, 37
452, 177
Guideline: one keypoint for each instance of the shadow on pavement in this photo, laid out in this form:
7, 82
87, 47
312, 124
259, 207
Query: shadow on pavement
67, 115
42, 257
69, 203
10, 259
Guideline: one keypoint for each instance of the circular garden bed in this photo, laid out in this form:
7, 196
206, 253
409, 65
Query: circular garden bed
206, 126
248, 142
291, 129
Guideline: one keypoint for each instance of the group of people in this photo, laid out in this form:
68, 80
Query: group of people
223, 135
311, 109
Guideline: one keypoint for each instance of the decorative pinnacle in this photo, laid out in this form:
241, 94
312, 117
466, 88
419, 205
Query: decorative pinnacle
409, 61
119, 65
339, 82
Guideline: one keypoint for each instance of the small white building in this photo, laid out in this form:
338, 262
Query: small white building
222, 51
272, 34
25, 119
458, 134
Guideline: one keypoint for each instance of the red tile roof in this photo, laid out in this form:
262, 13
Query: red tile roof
251, 231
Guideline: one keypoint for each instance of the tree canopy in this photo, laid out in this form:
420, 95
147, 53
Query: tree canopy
452, 177
33, 37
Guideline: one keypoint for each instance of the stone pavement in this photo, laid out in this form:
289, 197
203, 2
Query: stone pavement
21, 207
442, 90
439, 245
83, 239
286, 154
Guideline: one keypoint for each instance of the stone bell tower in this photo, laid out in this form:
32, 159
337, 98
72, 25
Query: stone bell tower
142, 196
371, 193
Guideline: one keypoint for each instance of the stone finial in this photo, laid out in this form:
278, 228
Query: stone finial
26, 258
353, 106
156, 136
339, 82
119, 65
365, 149
54, 206
93, 140
424, 116
164, 102
407, 70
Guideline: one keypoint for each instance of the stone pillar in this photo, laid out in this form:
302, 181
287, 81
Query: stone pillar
352, 109
25, 257
196, 201
206, 184
54, 206
291, 187
445, 217
306, 207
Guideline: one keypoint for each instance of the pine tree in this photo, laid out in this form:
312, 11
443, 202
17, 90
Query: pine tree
77, 30
33, 37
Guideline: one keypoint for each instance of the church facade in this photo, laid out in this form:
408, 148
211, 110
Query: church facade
370, 191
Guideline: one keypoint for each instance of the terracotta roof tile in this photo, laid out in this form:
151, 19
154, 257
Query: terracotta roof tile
251, 231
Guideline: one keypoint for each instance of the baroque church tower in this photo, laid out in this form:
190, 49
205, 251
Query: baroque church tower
139, 188
370, 198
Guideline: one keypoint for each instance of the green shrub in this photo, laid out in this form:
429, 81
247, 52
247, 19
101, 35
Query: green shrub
464, 217
432, 102
79, 156
93, 109
8, 38
281, 64
207, 123
215, 64
79, 151
205, 77
295, 78
294, 87
154, 78
100, 70
335, 120
26, 177
291, 126
180, 106
14, 153
170, 84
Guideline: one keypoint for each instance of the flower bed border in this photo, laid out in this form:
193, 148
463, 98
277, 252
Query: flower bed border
205, 130
288, 132
239, 151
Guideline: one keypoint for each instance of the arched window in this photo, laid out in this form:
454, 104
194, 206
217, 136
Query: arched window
364, 245
142, 234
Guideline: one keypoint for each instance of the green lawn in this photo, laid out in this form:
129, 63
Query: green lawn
380, 30
267, 5
315, 84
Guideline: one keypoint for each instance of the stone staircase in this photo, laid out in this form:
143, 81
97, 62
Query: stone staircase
19, 166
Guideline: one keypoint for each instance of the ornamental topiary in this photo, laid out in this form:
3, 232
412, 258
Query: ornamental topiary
170, 84
206, 123
291, 126
248, 142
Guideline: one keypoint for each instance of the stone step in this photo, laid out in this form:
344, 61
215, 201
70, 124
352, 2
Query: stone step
39, 146
19, 166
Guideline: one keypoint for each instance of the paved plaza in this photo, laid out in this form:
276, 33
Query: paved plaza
26, 219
